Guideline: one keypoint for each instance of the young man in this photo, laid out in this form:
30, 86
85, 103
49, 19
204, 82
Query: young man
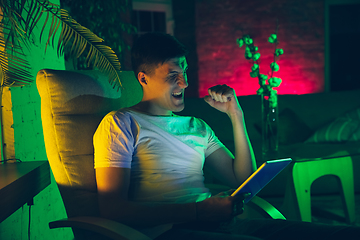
149, 161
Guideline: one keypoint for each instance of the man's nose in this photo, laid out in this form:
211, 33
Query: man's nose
183, 83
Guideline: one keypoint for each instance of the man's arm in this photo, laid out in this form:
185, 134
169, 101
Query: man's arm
234, 170
113, 186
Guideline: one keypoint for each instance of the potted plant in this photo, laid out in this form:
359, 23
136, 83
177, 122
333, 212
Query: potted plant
269, 103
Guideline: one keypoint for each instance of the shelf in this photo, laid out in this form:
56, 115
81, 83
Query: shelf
19, 183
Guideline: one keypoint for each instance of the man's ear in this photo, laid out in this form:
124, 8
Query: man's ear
142, 78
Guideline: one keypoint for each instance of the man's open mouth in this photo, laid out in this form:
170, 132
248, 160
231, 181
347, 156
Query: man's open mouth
177, 95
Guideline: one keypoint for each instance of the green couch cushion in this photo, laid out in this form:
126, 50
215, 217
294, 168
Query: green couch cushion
342, 129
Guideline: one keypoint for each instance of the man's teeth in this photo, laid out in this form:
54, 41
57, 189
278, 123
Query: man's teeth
176, 94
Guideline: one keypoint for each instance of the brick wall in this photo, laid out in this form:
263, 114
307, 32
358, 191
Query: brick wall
301, 34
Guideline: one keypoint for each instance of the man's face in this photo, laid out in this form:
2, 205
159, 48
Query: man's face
166, 87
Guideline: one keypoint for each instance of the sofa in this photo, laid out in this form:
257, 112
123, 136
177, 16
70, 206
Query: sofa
311, 126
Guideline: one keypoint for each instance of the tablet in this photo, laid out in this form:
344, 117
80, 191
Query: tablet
262, 176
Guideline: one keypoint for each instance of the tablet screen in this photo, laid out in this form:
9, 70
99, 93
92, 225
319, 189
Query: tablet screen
262, 176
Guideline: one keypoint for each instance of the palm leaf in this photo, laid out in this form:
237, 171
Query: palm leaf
78, 40
15, 70
99, 55
13, 67
17, 31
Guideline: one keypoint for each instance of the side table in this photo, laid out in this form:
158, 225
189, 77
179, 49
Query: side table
19, 183
297, 200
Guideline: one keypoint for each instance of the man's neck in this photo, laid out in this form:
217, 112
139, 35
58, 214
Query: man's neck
146, 108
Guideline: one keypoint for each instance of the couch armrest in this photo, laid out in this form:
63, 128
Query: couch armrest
108, 228
265, 208
119, 231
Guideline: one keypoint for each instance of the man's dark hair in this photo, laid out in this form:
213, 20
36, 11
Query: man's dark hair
152, 49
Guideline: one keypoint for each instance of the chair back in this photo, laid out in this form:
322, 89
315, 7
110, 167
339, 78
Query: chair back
72, 105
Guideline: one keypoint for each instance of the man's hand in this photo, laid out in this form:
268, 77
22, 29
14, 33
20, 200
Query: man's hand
221, 207
223, 98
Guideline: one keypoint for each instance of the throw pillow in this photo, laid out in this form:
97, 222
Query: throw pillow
340, 130
291, 129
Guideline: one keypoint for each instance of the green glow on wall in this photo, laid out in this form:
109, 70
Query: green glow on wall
29, 142
29, 146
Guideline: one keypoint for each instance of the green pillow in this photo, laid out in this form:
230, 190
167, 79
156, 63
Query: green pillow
340, 130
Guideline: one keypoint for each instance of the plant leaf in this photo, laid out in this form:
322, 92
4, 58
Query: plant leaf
99, 55
13, 67
17, 30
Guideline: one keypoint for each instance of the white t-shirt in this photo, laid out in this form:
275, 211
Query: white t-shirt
166, 154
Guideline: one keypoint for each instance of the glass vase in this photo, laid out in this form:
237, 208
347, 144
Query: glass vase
270, 118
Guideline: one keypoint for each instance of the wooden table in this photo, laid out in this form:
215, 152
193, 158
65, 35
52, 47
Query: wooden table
19, 183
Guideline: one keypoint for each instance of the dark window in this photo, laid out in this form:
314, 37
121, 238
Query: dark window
149, 21
344, 47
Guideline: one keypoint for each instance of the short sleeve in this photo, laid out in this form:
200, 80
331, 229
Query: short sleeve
213, 142
114, 140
